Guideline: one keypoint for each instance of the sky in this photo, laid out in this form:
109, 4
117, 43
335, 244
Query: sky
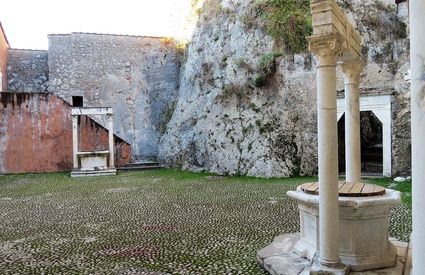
27, 22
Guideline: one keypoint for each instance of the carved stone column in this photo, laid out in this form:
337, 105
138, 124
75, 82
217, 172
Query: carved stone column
75, 141
417, 56
111, 141
326, 51
352, 70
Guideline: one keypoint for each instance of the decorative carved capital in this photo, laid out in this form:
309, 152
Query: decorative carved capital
326, 48
332, 29
352, 70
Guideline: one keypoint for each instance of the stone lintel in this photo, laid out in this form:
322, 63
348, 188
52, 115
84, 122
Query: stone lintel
91, 153
78, 111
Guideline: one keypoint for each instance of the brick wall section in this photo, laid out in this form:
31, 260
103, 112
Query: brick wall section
3, 59
137, 76
36, 134
27, 71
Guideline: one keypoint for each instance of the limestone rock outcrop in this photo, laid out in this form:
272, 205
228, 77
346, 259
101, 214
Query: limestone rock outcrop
231, 118
228, 119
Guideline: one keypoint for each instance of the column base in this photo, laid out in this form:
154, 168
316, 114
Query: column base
319, 269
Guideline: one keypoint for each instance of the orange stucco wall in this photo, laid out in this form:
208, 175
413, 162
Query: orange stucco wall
36, 134
3, 59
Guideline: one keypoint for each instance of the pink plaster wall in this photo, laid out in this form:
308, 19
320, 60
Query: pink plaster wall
36, 134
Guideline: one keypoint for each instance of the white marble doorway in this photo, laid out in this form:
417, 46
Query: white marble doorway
380, 106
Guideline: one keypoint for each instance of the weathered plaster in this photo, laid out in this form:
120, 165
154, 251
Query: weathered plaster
36, 134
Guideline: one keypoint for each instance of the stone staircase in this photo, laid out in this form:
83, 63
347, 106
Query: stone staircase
372, 159
141, 165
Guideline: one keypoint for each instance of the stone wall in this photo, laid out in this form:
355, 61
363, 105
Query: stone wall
137, 76
4, 45
226, 123
36, 134
27, 71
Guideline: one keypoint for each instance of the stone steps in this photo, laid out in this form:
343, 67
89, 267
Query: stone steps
374, 167
279, 258
372, 159
141, 165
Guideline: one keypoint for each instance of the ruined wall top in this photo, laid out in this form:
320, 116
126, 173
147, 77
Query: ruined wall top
27, 71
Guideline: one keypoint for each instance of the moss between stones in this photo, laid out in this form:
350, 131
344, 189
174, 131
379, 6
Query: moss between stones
159, 221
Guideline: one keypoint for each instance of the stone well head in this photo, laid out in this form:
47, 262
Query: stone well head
363, 220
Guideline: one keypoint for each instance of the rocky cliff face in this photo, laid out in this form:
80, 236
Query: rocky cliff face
233, 118
224, 121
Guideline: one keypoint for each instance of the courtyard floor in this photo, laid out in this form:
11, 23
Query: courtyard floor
150, 222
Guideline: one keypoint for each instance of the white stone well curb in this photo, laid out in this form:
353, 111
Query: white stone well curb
364, 240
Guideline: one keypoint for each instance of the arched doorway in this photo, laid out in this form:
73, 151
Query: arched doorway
371, 137
380, 107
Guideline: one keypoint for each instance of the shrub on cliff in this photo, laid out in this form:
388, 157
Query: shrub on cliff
288, 21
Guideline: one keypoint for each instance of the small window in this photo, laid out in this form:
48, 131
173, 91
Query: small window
77, 101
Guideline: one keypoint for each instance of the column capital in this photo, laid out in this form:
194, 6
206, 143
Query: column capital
352, 70
326, 48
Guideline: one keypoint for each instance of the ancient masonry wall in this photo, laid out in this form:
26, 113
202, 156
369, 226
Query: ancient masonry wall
137, 76
36, 134
27, 71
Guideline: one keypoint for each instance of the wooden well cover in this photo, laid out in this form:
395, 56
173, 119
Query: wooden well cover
347, 189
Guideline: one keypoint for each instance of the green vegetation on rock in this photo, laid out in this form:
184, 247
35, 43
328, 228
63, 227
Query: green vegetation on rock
267, 62
288, 21
267, 68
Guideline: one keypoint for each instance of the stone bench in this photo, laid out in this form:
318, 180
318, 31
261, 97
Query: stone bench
93, 160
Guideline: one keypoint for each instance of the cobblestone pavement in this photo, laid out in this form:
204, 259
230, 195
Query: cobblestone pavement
150, 222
